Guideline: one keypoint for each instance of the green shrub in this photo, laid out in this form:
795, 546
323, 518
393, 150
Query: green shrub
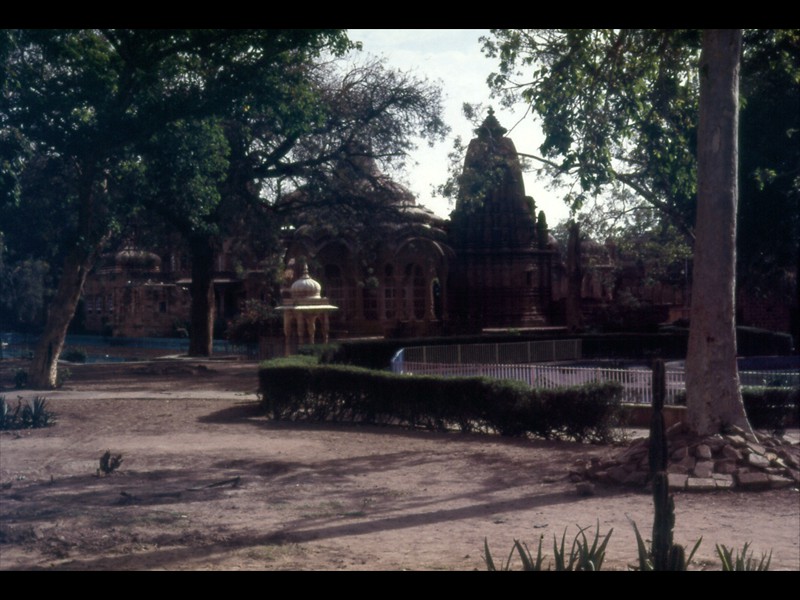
20, 378
772, 408
300, 389
76, 355
324, 353
63, 376
255, 320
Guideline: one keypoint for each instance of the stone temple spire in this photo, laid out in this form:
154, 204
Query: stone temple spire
499, 277
490, 128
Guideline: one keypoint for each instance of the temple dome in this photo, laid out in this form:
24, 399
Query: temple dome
305, 287
131, 258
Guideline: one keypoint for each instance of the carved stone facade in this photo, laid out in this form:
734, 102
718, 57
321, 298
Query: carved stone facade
135, 293
387, 278
127, 295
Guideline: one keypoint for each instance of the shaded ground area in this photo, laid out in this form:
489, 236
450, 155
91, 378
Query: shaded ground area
207, 482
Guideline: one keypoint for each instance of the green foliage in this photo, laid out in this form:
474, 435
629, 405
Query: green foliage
584, 413
324, 353
768, 221
63, 376
751, 341
255, 321
99, 121
76, 355
583, 554
23, 285
668, 343
676, 558
772, 408
377, 354
619, 111
35, 414
186, 162
742, 561
615, 105
20, 378
529, 563
32, 414
109, 462
299, 389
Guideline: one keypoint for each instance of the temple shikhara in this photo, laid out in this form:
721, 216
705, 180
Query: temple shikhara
492, 265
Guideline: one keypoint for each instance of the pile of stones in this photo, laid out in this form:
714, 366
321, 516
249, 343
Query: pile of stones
735, 460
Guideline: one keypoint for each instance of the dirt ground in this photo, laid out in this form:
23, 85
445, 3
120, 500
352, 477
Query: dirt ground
207, 483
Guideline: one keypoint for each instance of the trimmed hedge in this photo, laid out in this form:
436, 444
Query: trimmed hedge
772, 408
299, 389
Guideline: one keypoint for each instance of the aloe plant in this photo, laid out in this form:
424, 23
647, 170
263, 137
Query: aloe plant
741, 561
583, 555
5, 413
528, 562
35, 413
32, 414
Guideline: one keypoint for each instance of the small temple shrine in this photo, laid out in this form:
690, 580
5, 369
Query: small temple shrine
302, 310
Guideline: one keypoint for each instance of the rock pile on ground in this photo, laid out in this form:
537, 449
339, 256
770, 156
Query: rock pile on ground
734, 460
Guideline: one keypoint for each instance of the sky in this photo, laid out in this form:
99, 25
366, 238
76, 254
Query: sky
453, 58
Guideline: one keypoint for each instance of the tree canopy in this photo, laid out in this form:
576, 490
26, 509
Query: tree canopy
204, 128
620, 111
619, 108
614, 106
86, 98
220, 180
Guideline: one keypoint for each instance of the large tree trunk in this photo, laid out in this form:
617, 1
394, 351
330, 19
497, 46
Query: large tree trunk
201, 342
714, 400
43, 373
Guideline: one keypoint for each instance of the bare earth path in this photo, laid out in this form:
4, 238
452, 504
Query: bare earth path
208, 483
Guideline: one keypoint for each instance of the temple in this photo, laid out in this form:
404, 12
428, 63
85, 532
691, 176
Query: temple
404, 272
502, 275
